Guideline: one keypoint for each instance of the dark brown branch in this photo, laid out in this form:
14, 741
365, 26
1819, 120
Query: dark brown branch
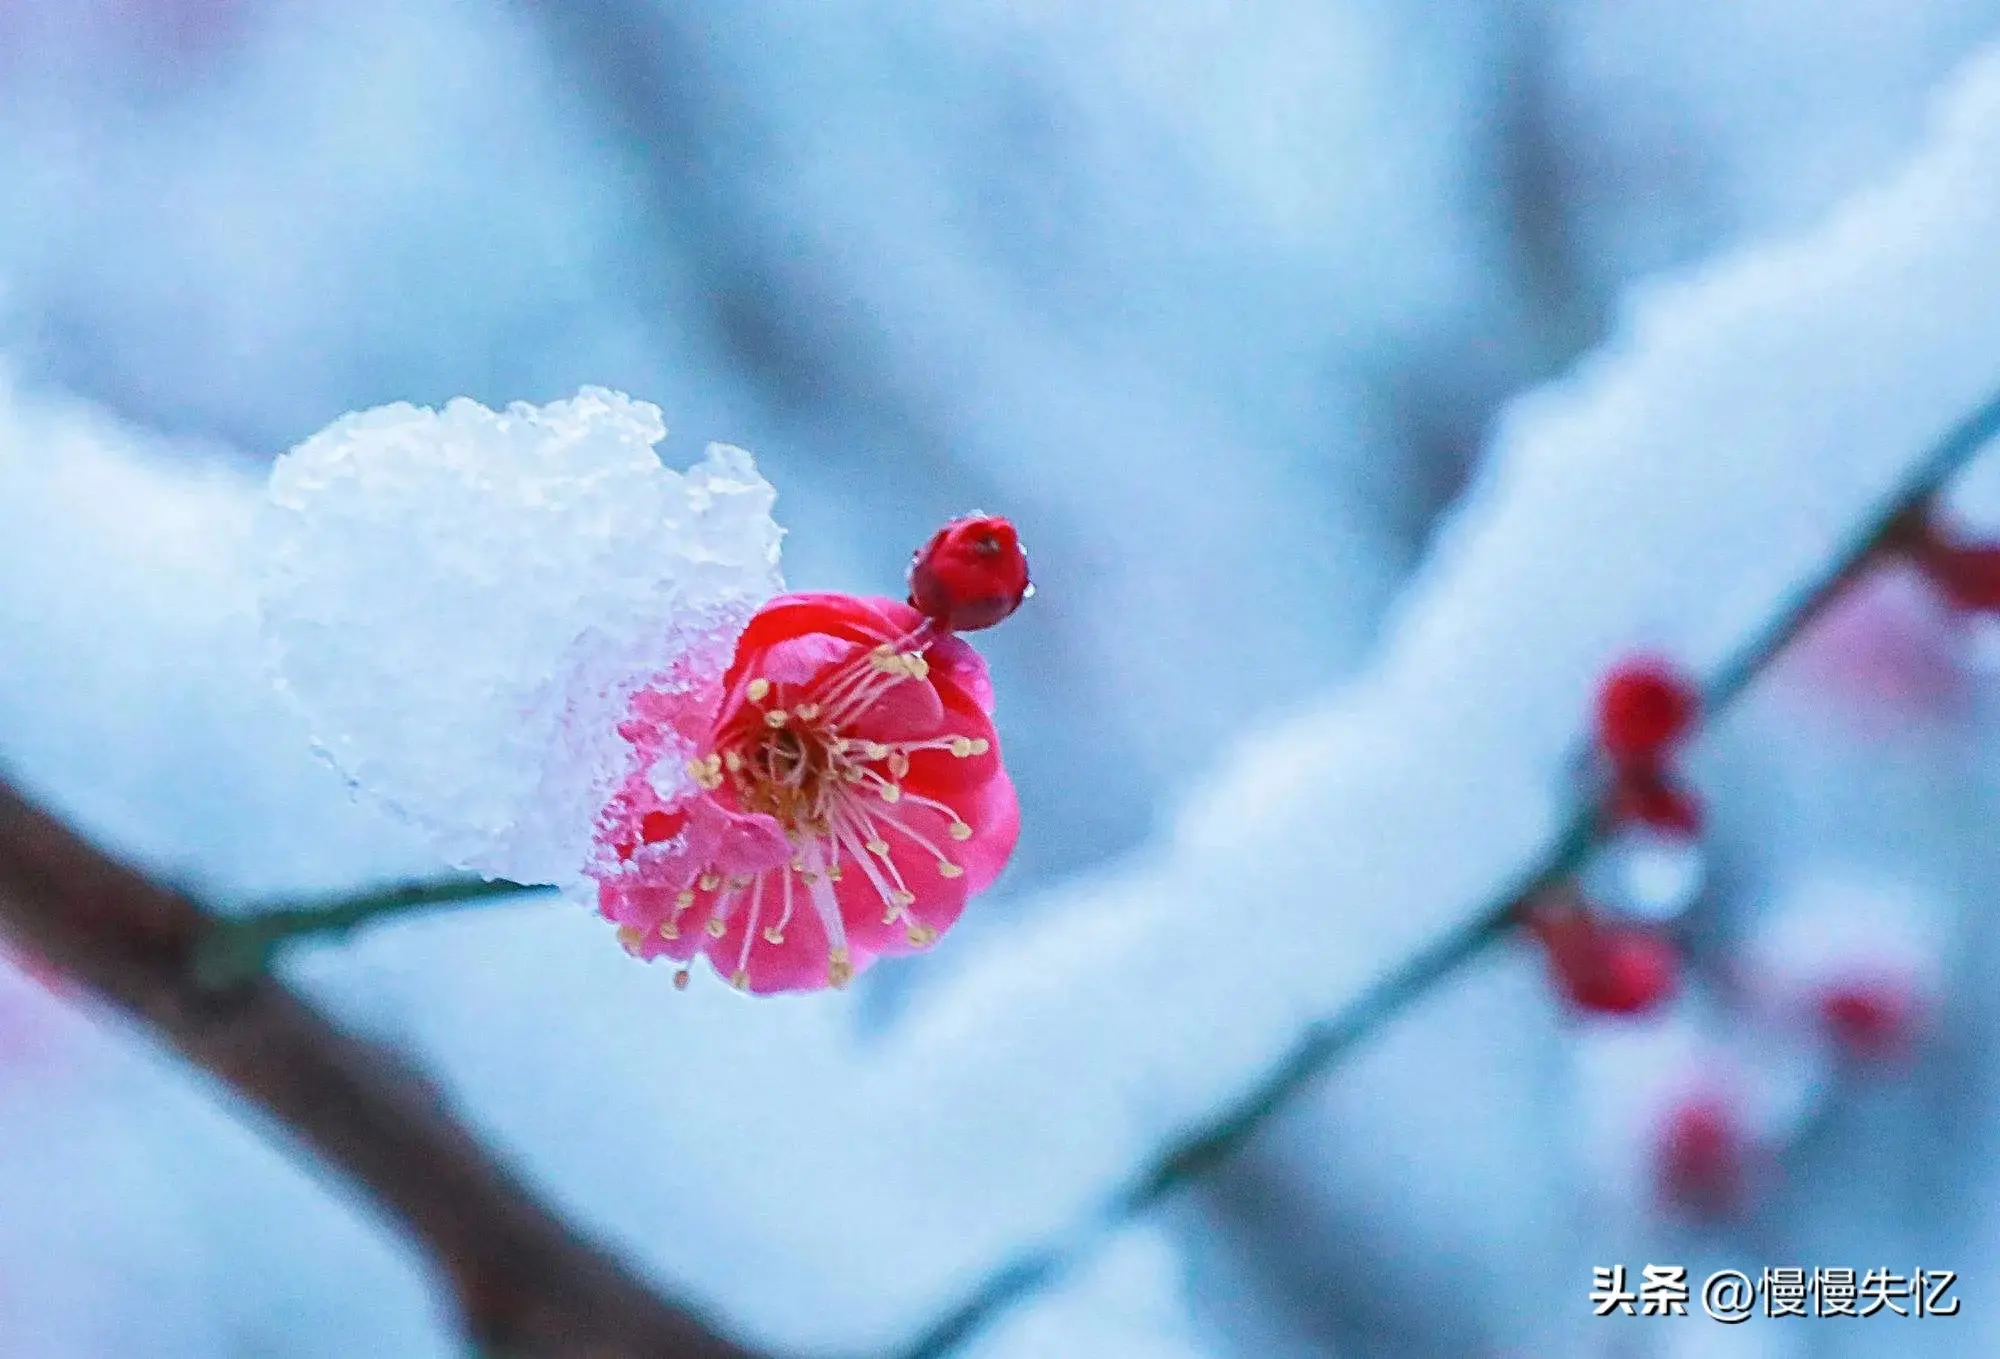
524, 1281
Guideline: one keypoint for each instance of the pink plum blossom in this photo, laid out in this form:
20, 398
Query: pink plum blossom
836, 795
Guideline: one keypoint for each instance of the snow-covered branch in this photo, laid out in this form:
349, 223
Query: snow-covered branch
1745, 428
523, 1280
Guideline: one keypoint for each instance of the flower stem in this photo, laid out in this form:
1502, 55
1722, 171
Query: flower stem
237, 949
1206, 1145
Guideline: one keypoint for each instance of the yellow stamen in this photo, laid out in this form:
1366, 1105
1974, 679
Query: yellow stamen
773, 935
758, 689
716, 927
740, 980
670, 930
949, 869
839, 970
776, 718
631, 937
681, 980
922, 936
960, 831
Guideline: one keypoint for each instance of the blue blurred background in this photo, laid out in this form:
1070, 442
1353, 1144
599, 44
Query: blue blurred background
1215, 300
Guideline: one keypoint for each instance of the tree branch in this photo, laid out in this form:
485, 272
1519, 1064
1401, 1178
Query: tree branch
525, 1282
1201, 1148
234, 949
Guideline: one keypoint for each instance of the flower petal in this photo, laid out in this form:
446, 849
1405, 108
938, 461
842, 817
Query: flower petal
865, 620
994, 813
799, 960
954, 664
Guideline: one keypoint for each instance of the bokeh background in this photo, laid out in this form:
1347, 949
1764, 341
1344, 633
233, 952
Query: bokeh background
1220, 303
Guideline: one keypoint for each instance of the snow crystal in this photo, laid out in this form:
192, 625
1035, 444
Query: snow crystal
464, 601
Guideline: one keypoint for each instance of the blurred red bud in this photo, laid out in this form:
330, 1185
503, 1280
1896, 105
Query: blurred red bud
1644, 705
1603, 966
1646, 796
1702, 1161
1870, 1020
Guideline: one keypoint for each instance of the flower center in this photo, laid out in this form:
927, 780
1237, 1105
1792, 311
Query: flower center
838, 799
790, 774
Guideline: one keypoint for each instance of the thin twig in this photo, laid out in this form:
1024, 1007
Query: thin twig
1202, 1148
525, 1283
236, 948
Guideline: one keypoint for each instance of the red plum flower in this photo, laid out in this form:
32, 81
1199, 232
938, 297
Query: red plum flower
843, 795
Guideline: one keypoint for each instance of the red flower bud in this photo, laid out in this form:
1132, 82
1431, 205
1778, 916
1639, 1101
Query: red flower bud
1634, 971
1644, 705
970, 575
1603, 966
1870, 1021
1644, 796
1969, 575
1703, 1159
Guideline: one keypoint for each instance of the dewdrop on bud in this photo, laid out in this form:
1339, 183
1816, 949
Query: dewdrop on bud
970, 575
